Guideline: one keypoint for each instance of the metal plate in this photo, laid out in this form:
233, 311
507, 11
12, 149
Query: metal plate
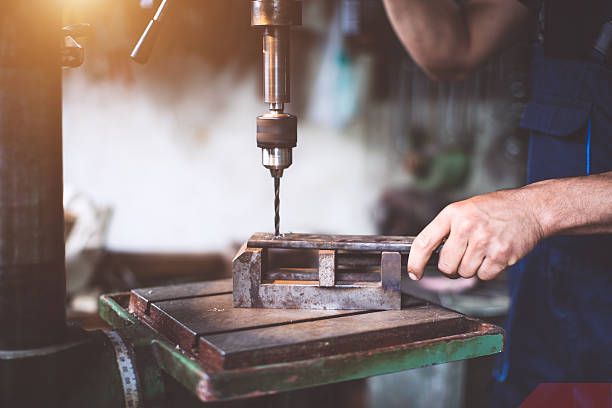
340, 242
184, 320
141, 299
319, 338
224, 337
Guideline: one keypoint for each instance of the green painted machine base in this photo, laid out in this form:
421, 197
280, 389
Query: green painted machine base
271, 379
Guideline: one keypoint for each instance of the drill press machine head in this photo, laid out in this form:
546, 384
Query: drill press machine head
276, 130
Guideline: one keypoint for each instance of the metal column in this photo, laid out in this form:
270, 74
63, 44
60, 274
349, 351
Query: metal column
32, 272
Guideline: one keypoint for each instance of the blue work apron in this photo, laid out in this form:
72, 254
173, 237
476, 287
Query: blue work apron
559, 327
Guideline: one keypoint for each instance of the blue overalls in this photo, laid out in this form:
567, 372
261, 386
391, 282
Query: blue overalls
559, 327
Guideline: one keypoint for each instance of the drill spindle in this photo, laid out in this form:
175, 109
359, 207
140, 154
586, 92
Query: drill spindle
276, 130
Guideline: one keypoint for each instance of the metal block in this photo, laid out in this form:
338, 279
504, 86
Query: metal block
347, 272
246, 271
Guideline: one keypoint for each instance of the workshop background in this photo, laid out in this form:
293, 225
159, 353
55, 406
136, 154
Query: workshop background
164, 180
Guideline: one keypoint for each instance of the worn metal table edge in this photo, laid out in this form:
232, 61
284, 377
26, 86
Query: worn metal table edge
113, 312
271, 379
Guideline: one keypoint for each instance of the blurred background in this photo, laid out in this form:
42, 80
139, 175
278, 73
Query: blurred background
164, 180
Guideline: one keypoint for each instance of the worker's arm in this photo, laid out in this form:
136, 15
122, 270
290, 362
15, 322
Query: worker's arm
449, 40
487, 233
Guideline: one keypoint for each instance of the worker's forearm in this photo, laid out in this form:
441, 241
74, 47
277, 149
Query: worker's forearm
487, 233
578, 205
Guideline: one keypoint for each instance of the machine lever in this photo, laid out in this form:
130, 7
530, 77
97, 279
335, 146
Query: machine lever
144, 46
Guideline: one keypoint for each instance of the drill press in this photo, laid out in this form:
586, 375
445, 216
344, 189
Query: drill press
276, 130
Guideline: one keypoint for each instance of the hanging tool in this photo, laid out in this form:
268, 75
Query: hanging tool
144, 46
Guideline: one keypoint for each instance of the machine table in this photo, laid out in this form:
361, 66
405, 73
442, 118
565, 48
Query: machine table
221, 353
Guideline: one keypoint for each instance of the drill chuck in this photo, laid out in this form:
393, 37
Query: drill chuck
275, 129
276, 136
276, 160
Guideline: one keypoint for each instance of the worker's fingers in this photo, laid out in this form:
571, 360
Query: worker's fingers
471, 261
452, 253
489, 269
425, 243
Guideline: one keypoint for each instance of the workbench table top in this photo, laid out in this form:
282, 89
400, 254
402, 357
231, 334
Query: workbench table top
221, 352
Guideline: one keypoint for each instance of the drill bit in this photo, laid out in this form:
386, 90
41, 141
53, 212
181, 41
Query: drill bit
276, 206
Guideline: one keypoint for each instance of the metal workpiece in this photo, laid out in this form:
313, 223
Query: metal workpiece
322, 271
251, 291
32, 274
380, 243
347, 272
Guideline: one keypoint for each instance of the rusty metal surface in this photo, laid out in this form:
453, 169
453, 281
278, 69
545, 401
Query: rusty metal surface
327, 268
342, 242
391, 272
184, 320
250, 292
206, 308
314, 271
141, 299
320, 338
292, 258
223, 385
348, 297
347, 272
343, 277
249, 352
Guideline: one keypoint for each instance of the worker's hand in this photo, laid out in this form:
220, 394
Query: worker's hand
484, 235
